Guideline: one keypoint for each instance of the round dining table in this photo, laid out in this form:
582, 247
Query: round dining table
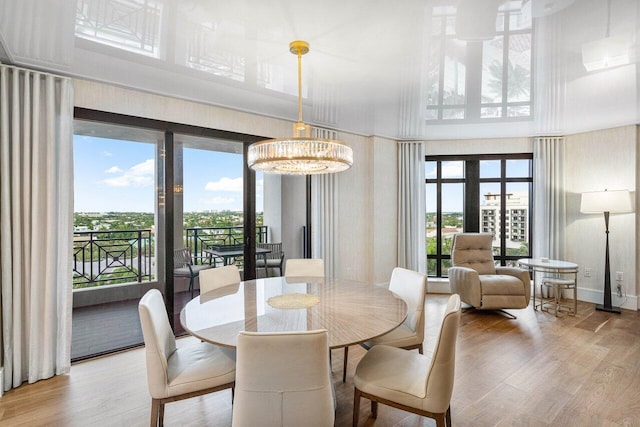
352, 311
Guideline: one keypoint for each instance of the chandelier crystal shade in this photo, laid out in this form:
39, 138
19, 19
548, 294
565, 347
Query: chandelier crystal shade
301, 154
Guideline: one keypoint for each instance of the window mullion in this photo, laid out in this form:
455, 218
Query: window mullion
472, 196
439, 220
503, 211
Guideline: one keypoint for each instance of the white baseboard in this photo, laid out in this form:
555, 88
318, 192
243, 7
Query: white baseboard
441, 286
438, 286
597, 297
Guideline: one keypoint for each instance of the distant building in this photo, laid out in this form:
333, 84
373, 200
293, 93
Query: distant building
517, 217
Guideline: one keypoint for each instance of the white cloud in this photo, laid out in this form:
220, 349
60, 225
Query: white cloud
452, 169
225, 184
106, 154
114, 169
139, 175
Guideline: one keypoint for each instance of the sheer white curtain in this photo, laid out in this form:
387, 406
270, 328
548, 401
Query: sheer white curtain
325, 214
549, 216
411, 206
36, 224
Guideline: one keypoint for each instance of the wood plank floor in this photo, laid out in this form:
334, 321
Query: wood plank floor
537, 370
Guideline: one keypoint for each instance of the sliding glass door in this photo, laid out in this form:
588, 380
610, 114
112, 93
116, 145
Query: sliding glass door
115, 235
144, 188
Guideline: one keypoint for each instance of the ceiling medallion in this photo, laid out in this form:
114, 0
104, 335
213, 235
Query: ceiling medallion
301, 154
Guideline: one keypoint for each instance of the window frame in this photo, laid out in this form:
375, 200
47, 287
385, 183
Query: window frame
472, 209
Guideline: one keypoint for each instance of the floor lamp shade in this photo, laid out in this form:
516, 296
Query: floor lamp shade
618, 201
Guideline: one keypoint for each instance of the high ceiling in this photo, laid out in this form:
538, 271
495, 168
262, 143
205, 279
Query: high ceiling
373, 66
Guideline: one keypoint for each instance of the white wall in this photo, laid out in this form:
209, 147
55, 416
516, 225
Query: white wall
272, 207
479, 146
355, 246
104, 97
599, 160
294, 214
384, 209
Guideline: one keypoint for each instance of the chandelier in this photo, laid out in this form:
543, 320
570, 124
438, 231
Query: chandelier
300, 154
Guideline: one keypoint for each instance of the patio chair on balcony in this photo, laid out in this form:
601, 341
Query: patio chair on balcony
275, 258
183, 266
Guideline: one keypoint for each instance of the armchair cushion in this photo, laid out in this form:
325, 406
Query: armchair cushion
394, 374
498, 284
199, 367
474, 251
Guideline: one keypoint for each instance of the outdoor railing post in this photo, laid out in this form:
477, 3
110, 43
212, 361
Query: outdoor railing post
91, 257
139, 256
148, 254
195, 245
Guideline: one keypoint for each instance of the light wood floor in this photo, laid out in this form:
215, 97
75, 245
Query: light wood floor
537, 370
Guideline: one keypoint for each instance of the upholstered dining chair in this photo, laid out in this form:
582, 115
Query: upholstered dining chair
283, 379
183, 266
179, 373
411, 286
218, 277
475, 277
309, 267
411, 381
275, 258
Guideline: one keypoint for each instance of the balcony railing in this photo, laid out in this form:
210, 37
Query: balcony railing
199, 239
110, 257
127, 256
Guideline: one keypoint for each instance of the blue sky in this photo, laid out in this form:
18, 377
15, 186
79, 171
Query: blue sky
115, 175
453, 193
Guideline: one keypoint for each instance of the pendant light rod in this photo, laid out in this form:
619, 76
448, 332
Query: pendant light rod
299, 86
299, 48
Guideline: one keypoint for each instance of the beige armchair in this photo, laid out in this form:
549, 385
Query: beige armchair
410, 381
179, 373
479, 282
283, 380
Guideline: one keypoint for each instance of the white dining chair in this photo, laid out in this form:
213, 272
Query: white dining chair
179, 373
410, 381
308, 267
218, 277
283, 380
411, 286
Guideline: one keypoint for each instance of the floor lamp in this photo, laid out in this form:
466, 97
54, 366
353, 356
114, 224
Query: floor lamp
618, 201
